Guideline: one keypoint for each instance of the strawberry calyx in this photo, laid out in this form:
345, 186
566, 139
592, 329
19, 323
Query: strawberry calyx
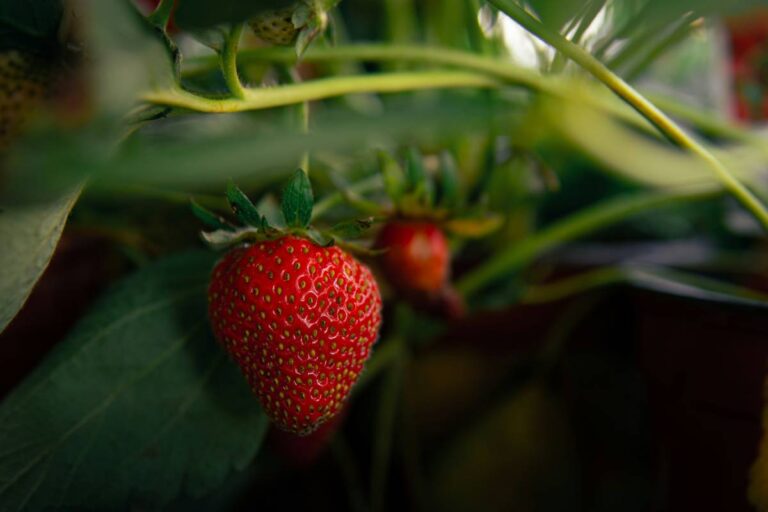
296, 213
427, 189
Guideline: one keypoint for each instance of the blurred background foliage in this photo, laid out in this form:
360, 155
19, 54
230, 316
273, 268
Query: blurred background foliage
534, 401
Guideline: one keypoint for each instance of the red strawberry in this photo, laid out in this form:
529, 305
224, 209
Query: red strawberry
300, 321
417, 257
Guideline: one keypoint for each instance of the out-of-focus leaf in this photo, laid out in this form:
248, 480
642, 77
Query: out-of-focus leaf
31, 233
137, 405
196, 14
32, 25
644, 160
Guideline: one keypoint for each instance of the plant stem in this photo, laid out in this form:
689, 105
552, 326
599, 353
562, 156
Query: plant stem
574, 226
663, 123
229, 61
255, 99
467, 61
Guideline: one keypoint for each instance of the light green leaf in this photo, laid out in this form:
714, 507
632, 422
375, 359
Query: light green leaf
137, 405
31, 233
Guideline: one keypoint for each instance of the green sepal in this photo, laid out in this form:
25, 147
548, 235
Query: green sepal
298, 200
319, 238
351, 229
210, 219
222, 239
418, 182
449, 181
162, 14
243, 207
394, 177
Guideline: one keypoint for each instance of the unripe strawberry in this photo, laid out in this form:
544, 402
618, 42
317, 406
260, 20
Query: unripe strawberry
24, 85
416, 258
275, 26
299, 320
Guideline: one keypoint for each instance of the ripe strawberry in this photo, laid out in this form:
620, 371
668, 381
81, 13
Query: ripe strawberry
24, 85
300, 320
417, 257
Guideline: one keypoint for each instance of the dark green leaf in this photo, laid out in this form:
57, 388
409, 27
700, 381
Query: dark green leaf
32, 232
297, 200
449, 181
196, 14
394, 178
138, 404
209, 218
29, 24
243, 207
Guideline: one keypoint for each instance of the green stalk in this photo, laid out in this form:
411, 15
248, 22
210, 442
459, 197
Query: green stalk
467, 61
625, 91
574, 226
254, 99
229, 62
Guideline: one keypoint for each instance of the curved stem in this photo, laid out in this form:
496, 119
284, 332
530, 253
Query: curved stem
229, 61
255, 99
502, 70
663, 123
579, 224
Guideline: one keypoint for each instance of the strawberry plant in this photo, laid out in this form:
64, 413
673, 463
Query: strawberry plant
378, 255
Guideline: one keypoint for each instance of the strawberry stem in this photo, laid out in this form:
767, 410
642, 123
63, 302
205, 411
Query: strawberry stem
228, 59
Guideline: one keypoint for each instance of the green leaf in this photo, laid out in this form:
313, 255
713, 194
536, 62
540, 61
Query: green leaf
196, 14
31, 233
449, 181
394, 177
137, 405
209, 218
298, 201
243, 207
29, 25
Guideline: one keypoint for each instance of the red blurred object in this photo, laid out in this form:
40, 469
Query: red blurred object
748, 39
417, 257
